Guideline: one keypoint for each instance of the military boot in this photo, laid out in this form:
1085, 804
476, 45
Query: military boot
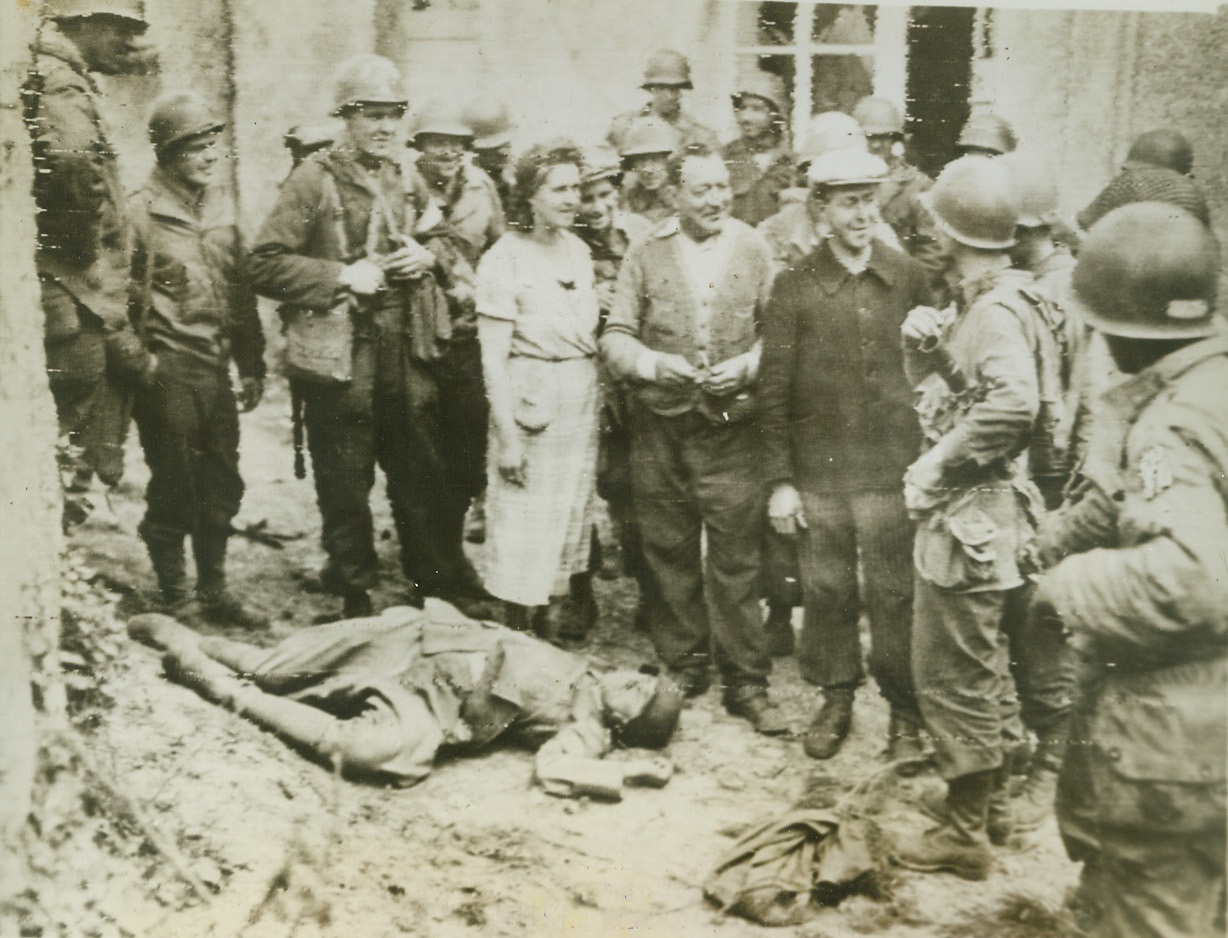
165, 548
217, 604
959, 845
1034, 803
830, 726
1000, 818
905, 742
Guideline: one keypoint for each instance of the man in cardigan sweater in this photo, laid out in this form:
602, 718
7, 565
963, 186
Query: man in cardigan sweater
683, 331
839, 432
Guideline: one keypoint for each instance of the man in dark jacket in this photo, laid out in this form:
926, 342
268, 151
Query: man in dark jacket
93, 355
197, 311
839, 430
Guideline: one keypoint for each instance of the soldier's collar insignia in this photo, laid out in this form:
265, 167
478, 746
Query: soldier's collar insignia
1155, 471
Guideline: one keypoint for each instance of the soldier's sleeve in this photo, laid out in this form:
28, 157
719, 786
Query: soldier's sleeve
278, 266
1170, 579
246, 333
1085, 521
139, 277
776, 375
1007, 397
620, 343
65, 137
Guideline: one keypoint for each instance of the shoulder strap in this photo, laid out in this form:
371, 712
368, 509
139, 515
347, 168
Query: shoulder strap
338, 213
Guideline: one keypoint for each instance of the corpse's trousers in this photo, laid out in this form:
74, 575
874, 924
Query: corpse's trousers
696, 486
846, 532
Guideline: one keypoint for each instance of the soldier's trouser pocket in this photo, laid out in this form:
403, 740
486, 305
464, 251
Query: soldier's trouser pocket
972, 543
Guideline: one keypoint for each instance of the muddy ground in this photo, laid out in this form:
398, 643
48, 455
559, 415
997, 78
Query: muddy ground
285, 848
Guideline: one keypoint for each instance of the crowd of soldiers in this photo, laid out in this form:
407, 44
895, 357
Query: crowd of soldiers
827, 380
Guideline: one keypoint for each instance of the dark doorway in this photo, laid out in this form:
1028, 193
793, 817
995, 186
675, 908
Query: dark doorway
939, 78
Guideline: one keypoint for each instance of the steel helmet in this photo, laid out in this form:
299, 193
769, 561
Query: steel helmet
764, 85
649, 135
179, 116
1035, 188
441, 116
831, 130
488, 119
878, 117
367, 79
667, 67
309, 137
987, 131
847, 167
598, 163
1165, 148
73, 9
1148, 271
974, 202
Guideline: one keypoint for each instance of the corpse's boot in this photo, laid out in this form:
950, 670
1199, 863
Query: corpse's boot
217, 604
165, 548
960, 844
579, 610
830, 726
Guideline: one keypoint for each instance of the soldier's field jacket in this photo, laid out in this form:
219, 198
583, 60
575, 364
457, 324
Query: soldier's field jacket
1142, 583
83, 238
298, 255
192, 290
978, 401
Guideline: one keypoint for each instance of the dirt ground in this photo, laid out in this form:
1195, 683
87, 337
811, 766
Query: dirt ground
286, 848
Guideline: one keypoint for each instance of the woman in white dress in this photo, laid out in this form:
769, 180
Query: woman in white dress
537, 321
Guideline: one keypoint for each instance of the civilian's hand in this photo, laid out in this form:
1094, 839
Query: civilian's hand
675, 371
785, 510
725, 378
512, 459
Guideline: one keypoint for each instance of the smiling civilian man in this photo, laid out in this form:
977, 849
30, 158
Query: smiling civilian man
684, 331
839, 428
